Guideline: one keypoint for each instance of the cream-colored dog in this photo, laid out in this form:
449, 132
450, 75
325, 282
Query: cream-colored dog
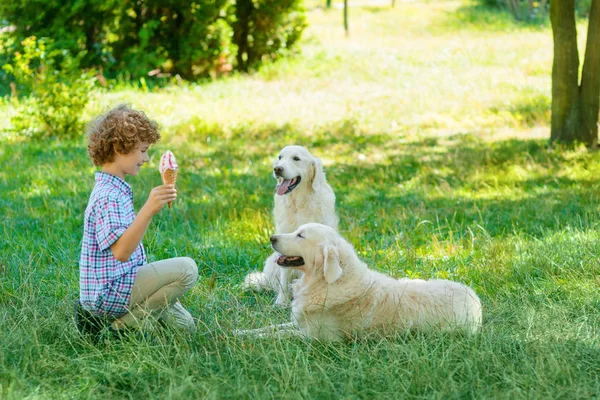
338, 296
302, 195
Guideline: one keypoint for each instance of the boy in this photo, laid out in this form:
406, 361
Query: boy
117, 284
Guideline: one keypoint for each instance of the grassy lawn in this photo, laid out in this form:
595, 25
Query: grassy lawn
432, 122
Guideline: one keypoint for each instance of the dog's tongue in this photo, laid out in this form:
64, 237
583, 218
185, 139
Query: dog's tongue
283, 186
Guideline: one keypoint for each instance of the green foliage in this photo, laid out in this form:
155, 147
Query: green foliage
532, 10
521, 10
5, 79
56, 91
583, 7
265, 29
160, 37
174, 36
73, 25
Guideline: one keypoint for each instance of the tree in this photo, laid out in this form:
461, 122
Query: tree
265, 30
575, 105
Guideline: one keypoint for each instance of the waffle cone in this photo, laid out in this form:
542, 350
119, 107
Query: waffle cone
169, 178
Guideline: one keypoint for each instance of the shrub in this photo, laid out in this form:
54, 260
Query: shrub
170, 36
54, 91
533, 10
74, 25
583, 7
160, 37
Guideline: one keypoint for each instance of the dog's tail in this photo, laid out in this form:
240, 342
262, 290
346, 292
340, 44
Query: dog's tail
257, 281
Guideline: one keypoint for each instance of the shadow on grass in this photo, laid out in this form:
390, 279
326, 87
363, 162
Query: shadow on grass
532, 109
386, 185
508, 187
505, 186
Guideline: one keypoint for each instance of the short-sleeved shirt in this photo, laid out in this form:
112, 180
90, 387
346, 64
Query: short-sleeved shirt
105, 283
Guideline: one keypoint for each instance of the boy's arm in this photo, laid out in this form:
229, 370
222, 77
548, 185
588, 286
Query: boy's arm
124, 247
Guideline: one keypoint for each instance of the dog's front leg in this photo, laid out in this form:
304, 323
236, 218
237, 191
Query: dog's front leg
284, 294
286, 329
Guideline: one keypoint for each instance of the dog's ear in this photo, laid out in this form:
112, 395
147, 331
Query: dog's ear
317, 177
331, 264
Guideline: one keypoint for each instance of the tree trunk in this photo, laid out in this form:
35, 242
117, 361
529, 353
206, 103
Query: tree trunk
346, 17
241, 30
565, 72
590, 79
574, 107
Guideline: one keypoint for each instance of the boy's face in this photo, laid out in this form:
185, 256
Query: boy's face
130, 164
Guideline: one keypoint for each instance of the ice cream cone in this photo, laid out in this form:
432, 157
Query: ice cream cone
168, 170
169, 177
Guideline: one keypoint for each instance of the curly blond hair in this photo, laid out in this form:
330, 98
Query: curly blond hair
119, 130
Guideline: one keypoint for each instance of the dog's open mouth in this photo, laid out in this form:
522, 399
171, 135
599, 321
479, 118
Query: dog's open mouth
290, 261
285, 186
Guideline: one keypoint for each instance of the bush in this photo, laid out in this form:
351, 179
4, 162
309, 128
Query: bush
160, 37
583, 7
534, 10
74, 25
168, 36
54, 91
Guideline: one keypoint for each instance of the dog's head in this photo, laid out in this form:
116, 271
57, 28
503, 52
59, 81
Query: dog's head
313, 248
295, 168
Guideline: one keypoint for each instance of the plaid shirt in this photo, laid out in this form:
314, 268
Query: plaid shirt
105, 282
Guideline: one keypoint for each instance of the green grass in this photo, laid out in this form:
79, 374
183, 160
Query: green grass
433, 132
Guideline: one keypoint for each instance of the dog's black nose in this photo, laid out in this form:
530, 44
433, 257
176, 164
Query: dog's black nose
273, 239
278, 170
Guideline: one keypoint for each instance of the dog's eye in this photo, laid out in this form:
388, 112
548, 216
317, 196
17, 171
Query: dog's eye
296, 158
279, 158
300, 235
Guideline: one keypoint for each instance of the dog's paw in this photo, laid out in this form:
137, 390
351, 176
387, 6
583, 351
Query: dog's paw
283, 301
244, 332
256, 281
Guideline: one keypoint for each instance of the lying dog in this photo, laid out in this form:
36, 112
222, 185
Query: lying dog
339, 297
302, 195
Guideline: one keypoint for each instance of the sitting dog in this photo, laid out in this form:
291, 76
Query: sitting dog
302, 195
339, 297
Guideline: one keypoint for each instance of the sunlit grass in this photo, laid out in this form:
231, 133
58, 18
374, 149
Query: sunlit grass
510, 218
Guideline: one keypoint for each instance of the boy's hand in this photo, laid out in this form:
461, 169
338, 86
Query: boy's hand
159, 196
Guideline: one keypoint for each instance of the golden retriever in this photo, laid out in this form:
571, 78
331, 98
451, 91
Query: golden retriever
302, 195
339, 297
